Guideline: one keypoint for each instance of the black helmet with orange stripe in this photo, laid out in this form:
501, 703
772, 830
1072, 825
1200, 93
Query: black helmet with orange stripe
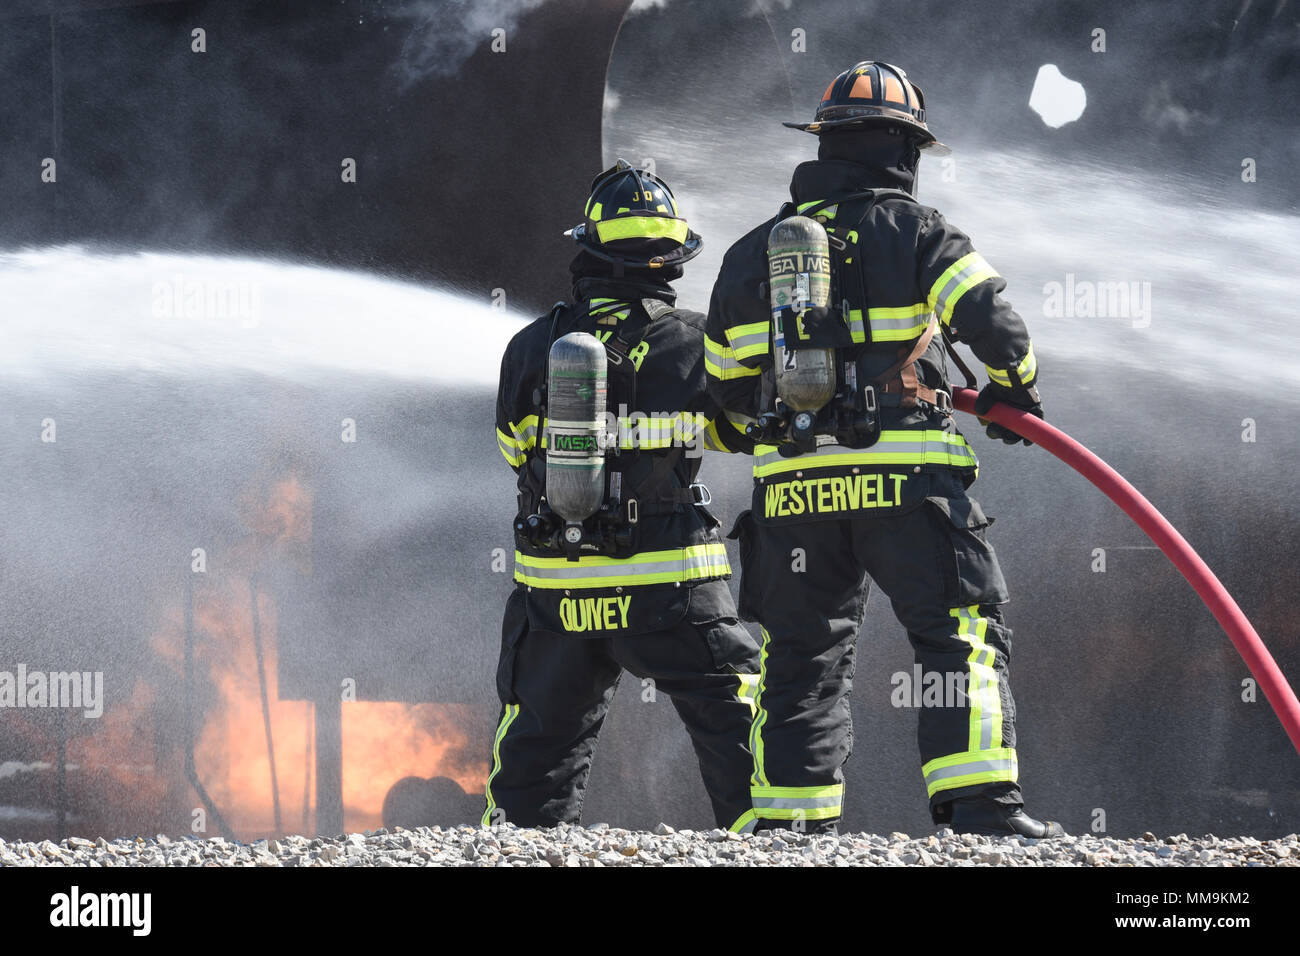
873, 93
632, 220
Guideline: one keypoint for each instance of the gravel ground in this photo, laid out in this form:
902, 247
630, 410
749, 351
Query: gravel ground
601, 845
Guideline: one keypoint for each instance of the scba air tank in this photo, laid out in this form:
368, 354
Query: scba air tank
799, 273
575, 426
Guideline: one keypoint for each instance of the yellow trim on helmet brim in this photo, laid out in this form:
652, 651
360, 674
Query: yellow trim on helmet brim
642, 227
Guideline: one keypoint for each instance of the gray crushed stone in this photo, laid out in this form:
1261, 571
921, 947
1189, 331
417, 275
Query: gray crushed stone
602, 845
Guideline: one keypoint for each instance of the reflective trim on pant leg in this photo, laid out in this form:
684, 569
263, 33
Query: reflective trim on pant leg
781, 803
969, 768
982, 690
745, 823
748, 692
507, 718
798, 803
759, 779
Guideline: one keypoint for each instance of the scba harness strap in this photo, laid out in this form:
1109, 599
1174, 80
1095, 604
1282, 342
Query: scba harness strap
848, 287
639, 483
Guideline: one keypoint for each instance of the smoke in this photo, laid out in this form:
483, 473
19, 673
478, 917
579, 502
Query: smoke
1157, 96
443, 34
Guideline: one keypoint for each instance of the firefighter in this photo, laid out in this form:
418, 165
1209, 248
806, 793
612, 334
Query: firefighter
877, 489
640, 584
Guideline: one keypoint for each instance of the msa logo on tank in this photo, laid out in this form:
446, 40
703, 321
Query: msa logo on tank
580, 443
595, 614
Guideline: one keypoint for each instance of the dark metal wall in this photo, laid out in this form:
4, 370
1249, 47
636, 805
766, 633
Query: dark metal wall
465, 157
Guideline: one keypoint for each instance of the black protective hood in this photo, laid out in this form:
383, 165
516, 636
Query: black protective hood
855, 159
593, 276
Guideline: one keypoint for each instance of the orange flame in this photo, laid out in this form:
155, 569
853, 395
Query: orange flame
382, 742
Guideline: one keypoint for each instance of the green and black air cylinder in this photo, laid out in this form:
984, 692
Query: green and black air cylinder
575, 426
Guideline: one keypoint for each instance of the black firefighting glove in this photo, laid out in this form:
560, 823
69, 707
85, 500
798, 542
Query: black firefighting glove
1025, 399
817, 327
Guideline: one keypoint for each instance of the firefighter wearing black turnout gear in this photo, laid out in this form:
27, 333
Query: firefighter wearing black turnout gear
646, 593
888, 504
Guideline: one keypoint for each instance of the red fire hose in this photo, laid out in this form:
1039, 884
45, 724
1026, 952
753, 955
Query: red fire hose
1159, 530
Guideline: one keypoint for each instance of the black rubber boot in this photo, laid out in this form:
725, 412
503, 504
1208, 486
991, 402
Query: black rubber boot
986, 817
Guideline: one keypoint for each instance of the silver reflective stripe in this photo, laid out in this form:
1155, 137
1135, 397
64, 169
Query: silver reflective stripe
720, 362
910, 323
1004, 765
920, 452
983, 692
756, 342
856, 329
978, 264
684, 565
796, 803
527, 436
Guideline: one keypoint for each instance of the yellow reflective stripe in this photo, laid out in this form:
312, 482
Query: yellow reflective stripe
508, 448
982, 691
608, 311
827, 213
768, 797
594, 212
746, 341
890, 323
741, 331
507, 718
1028, 367
720, 362
696, 563
970, 270
857, 331
713, 439
929, 446
642, 227
662, 431
525, 432
969, 768
898, 324
745, 823
759, 776
1026, 371
748, 691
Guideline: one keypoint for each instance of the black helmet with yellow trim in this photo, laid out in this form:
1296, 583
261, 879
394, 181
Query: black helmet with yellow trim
632, 220
873, 93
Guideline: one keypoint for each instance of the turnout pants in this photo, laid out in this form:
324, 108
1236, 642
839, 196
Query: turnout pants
807, 584
556, 689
